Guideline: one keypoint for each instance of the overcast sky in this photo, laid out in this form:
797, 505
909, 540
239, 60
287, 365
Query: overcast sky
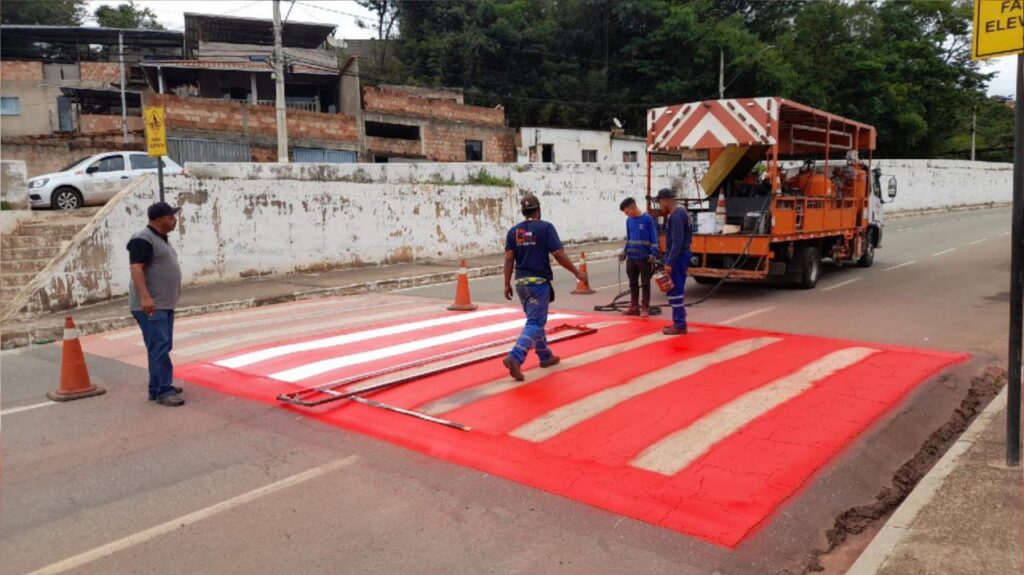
346, 13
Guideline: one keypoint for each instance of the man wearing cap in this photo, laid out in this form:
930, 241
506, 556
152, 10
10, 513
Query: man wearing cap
153, 295
678, 235
527, 247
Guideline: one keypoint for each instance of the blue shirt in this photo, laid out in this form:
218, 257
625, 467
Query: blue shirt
532, 241
679, 235
641, 237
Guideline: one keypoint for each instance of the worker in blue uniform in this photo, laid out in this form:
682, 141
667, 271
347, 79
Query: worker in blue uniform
528, 245
640, 255
679, 235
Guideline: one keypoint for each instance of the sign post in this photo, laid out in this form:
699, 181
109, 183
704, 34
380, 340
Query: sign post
156, 140
999, 31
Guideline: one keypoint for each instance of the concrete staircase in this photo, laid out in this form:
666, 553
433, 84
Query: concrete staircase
32, 245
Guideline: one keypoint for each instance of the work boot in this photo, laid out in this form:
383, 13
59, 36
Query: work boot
170, 400
674, 330
645, 311
553, 360
513, 369
174, 389
632, 310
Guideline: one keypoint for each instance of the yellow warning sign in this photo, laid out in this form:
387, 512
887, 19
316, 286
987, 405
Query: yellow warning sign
998, 28
156, 131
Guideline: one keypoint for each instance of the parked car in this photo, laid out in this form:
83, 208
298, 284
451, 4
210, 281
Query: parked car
93, 180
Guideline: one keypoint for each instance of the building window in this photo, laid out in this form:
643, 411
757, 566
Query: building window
547, 153
589, 155
394, 131
629, 157
10, 106
474, 151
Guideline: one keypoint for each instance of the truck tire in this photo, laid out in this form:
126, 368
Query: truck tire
810, 263
705, 280
868, 257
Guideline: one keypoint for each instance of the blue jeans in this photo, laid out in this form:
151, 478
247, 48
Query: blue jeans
676, 295
535, 299
158, 333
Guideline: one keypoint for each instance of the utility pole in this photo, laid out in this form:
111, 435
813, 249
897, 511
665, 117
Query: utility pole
974, 131
282, 120
721, 73
1016, 278
124, 103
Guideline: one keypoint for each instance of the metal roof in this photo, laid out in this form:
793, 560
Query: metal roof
234, 30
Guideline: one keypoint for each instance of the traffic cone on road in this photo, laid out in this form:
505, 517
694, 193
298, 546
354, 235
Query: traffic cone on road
583, 287
463, 302
74, 374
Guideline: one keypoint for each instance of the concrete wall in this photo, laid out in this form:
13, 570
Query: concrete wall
38, 115
932, 184
12, 186
245, 220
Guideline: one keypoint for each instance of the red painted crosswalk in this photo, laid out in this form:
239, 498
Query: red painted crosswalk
707, 434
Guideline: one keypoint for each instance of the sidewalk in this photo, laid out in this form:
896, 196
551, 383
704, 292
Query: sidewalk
963, 518
269, 290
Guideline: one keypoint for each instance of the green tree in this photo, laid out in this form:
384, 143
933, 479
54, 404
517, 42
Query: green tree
43, 12
127, 16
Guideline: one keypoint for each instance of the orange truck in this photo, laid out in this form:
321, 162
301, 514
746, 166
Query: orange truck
787, 187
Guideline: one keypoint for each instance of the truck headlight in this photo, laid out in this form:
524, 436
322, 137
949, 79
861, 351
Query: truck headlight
38, 183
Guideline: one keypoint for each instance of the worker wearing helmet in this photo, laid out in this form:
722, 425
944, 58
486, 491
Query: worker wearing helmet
679, 234
527, 247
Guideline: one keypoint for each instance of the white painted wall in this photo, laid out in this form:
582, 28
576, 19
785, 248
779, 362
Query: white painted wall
569, 145
240, 220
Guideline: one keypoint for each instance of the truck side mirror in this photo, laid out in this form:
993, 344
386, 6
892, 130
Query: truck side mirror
892, 188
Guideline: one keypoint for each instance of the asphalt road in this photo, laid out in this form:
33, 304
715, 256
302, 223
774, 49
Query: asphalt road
117, 485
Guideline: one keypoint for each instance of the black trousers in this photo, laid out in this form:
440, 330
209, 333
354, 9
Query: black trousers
639, 273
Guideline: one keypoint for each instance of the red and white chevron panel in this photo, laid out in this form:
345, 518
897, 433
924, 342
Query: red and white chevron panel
714, 124
708, 434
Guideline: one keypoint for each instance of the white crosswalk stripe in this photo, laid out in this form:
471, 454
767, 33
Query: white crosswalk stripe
678, 450
554, 422
318, 367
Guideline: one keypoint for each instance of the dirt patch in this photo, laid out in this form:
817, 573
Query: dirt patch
856, 520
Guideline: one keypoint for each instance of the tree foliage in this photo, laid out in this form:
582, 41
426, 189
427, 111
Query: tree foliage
901, 65
43, 12
127, 16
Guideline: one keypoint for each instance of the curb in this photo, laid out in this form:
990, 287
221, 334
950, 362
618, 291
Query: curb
946, 210
43, 335
874, 557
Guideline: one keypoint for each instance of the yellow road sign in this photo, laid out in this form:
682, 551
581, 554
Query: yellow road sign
156, 131
998, 28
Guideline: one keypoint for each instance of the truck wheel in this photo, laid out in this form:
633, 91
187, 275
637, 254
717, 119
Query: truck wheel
705, 280
810, 260
868, 258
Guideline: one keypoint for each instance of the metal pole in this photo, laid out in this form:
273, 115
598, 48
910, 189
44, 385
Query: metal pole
974, 131
1016, 278
721, 73
282, 119
124, 103
160, 175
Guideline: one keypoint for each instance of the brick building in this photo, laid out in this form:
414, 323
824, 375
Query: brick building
217, 87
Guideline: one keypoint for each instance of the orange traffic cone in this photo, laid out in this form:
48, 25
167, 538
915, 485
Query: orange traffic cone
74, 374
462, 300
583, 287
720, 212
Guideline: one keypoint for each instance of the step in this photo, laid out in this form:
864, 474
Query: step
15, 279
23, 266
18, 254
31, 241
62, 229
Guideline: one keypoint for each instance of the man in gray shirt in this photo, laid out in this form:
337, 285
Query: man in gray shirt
153, 295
